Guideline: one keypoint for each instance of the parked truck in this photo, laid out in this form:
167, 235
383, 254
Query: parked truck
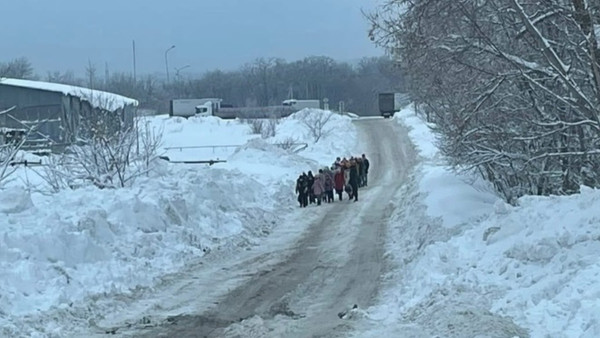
192, 107
390, 103
387, 106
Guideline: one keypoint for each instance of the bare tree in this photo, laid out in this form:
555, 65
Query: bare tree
317, 123
9, 148
256, 126
64, 78
90, 73
58, 173
288, 143
269, 127
19, 68
259, 75
149, 142
264, 127
109, 152
106, 160
512, 86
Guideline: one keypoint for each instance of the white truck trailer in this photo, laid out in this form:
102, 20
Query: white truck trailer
301, 104
193, 107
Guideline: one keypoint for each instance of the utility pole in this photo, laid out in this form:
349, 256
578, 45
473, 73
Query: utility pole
167, 61
134, 74
106, 74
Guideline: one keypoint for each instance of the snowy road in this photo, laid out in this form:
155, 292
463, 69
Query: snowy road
300, 289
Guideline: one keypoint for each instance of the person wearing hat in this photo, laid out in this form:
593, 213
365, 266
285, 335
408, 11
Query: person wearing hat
302, 190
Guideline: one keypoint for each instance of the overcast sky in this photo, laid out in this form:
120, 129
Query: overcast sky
208, 34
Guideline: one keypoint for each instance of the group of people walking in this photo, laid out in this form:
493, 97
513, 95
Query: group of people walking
345, 175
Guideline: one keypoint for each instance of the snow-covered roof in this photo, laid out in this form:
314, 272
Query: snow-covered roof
97, 98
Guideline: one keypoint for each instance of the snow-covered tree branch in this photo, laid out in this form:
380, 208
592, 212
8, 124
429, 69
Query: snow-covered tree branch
512, 86
316, 122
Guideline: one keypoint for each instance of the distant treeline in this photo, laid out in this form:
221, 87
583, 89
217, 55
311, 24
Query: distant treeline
262, 82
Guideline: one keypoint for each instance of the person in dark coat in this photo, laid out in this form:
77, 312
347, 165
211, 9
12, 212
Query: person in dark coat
302, 190
306, 190
366, 164
353, 180
361, 171
299, 189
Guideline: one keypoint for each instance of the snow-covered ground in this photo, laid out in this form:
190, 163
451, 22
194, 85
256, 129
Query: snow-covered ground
478, 262
60, 250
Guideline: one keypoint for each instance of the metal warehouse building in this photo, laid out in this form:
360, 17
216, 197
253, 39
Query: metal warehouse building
56, 111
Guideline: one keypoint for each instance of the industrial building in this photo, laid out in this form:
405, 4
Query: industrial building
56, 112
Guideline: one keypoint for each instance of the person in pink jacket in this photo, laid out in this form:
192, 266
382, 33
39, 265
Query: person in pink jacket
318, 188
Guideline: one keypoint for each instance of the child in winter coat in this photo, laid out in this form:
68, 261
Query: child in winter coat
318, 188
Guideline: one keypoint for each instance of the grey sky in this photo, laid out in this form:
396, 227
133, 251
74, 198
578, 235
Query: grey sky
208, 34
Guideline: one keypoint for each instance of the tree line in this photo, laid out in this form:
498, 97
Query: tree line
262, 82
512, 86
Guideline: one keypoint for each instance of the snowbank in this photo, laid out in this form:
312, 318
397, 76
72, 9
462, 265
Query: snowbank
467, 264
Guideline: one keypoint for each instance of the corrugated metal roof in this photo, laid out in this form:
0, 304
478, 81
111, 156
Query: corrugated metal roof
97, 98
